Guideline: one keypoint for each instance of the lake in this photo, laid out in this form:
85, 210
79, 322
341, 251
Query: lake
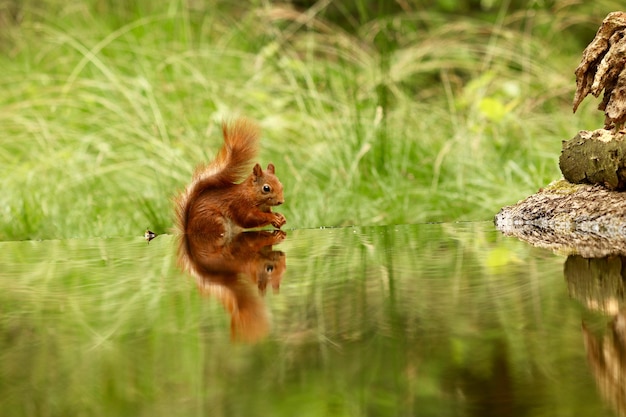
414, 320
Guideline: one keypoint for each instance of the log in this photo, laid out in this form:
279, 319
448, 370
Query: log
595, 157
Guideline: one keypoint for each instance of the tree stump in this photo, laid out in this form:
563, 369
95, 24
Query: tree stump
585, 214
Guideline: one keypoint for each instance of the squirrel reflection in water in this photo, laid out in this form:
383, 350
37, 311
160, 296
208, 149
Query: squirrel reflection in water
236, 270
212, 213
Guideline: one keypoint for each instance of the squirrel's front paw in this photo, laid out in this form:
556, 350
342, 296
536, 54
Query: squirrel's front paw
279, 220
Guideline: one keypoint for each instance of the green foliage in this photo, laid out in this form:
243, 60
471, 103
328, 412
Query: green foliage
401, 117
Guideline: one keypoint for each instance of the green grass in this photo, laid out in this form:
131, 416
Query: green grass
409, 117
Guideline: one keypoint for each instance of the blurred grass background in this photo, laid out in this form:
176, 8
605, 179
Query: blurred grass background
373, 111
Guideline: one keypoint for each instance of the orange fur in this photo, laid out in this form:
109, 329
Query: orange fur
219, 200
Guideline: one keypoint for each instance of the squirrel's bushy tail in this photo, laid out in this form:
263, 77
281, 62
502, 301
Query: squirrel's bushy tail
234, 159
230, 166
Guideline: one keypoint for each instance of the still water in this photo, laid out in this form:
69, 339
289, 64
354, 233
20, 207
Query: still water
419, 320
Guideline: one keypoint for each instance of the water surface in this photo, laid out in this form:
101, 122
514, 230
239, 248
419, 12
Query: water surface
420, 320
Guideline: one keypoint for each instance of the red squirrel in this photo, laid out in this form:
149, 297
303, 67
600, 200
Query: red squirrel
219, 200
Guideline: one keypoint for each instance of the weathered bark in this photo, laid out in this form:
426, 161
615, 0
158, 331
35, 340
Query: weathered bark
595, 157
603, 68
586, 220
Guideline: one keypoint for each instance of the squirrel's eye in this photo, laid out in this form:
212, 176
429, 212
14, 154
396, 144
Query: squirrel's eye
269, 268
267, 188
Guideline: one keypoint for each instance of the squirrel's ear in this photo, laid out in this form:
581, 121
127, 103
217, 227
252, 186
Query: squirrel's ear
270, 168
257, 170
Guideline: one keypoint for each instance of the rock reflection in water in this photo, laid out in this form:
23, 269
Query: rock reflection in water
594, 240
236, 270
607, 360
595, 272
599, 284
